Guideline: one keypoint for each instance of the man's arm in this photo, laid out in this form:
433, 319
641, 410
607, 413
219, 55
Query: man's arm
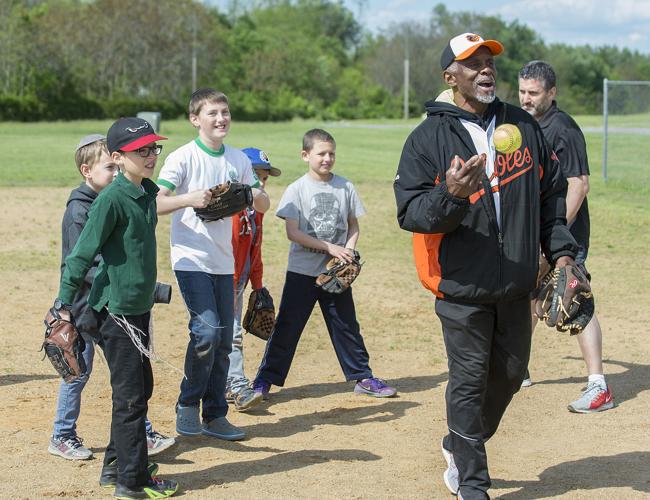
297, 236
576, 194
429, 199
558, 245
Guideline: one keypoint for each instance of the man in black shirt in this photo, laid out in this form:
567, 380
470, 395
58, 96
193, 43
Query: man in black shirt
537, 91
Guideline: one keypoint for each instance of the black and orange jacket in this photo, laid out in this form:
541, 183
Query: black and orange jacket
460, 251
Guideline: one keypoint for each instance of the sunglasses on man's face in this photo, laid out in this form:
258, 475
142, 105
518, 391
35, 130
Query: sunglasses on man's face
149, 150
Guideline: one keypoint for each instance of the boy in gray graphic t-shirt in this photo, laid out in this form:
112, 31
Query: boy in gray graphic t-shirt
320, 211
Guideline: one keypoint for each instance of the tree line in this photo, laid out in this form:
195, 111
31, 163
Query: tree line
275, 59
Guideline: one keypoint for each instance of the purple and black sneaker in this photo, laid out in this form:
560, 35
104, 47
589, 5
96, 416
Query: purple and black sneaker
261, 386
375, 387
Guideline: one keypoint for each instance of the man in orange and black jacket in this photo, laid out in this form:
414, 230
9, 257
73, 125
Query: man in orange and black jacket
478, 217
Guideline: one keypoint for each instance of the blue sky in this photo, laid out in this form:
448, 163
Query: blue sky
623, 23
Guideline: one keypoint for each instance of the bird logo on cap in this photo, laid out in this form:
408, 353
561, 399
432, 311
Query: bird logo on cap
264, 158
473, 38
133, 130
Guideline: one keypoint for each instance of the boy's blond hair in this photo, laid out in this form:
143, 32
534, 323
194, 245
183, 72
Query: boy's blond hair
90, 154
315, 135
201, 96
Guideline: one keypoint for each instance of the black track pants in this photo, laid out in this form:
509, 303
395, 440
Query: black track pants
488, 346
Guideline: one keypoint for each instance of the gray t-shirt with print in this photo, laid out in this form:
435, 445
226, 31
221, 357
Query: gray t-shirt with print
322, 210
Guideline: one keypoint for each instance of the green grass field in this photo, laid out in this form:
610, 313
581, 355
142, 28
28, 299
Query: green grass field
41, 155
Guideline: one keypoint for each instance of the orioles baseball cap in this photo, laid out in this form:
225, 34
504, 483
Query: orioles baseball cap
463, 46
129, 134
260, 160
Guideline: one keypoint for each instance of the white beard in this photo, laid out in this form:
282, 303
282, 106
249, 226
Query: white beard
486, 99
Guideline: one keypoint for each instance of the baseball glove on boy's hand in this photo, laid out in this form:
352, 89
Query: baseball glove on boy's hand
259, 319
564, 300
227, 199
340, 274
64, 346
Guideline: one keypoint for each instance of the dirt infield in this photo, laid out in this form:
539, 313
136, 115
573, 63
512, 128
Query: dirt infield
315, 438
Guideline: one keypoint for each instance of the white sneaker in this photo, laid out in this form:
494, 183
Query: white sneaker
70, 448
595, 398
450, 476
156, 442
527, 382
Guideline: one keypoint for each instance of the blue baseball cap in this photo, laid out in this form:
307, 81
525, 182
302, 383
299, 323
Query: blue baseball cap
260, 161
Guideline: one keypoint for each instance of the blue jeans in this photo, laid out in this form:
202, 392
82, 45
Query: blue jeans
68, 403
210, 301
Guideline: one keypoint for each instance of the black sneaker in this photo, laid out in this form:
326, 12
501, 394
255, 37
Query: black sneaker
108, 477
155, 488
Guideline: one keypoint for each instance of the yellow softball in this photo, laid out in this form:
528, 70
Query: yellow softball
507, 138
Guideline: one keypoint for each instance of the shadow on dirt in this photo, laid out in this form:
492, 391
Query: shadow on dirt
404, 385
15, 378
282, 462
593, 473
625, 385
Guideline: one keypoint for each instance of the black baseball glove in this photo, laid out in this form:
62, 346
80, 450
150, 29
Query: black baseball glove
64, 346
227, 199
259, 319
340, 274
564, 299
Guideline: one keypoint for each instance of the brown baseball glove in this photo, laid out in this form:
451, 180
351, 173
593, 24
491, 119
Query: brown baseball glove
64, 346
340, 274
259, 319
564, 299
227, 199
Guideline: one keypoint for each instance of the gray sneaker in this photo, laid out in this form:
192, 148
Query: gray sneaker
156, 442
70, 448
594, 399
450, 476
188, 422
222, 429
246, 399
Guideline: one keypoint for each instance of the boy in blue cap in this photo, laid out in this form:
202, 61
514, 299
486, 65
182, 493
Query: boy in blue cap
247, 249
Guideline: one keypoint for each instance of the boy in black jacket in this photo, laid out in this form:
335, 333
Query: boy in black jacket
478, 217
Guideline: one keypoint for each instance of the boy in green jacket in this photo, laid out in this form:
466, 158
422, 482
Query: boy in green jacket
121, 226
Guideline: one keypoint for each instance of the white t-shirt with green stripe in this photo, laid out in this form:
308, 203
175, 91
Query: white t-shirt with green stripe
197, 245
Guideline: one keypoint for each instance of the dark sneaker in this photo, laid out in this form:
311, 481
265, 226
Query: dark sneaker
188, 422
108, 477
222, 429
247, 398
594, 399
262, 387
155, 488
156, 442
374, 387
70, 448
